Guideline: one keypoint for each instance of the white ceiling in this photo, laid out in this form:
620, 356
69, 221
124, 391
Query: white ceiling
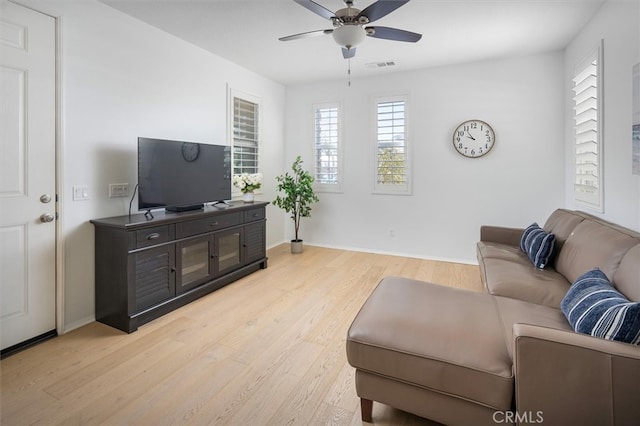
246, 32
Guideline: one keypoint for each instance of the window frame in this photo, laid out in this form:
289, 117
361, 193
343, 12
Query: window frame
231, 96
336, 187
593, 200
392, 189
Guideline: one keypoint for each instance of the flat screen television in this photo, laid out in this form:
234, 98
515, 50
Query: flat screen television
179, 175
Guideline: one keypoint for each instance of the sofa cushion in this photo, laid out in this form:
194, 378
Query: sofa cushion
519, 279
593, 245
561, 223
514, 311
594, 307
444, 339
537, 244
488, 249
627, 277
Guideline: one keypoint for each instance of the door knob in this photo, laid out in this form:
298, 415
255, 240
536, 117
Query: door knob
46, 217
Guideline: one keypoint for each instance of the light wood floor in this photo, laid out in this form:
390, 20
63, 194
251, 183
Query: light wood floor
266, 350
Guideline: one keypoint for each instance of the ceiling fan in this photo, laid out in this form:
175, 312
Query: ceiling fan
349, 24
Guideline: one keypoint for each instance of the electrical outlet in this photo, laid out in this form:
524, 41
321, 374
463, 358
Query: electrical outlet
80, 193
118, 190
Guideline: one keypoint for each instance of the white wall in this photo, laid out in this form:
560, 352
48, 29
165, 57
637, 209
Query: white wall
120, 79
617, 23
518, 182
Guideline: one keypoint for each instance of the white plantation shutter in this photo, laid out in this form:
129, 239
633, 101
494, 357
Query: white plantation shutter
587, 89
392, 151
327, 149
245, 136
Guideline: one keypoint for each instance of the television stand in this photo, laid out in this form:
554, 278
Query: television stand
184, 208
145, 268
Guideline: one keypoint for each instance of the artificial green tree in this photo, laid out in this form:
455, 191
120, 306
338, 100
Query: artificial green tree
298, 195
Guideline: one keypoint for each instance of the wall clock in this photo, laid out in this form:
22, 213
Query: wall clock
474, 138
190, 151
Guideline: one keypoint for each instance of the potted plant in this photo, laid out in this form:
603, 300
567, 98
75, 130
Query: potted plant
247, 183
297, 198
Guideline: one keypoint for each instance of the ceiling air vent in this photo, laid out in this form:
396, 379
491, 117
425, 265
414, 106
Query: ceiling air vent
382, 64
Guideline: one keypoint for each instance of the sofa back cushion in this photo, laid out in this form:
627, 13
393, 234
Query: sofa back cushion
593, 245
627, 277
561, 223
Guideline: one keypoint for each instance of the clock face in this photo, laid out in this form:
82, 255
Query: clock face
190, 151
474, 138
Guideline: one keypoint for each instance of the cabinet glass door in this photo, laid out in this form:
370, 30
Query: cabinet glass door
229, 244
193, 263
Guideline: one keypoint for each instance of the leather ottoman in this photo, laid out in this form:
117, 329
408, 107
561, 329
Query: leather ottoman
434, 351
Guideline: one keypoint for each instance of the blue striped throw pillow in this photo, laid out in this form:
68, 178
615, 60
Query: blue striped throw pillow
537, 245
592, 306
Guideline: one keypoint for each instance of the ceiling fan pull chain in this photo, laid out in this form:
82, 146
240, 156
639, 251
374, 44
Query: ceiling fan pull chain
349, 71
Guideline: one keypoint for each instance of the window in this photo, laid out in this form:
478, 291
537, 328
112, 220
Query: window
327, 152
245, 138
587, 89
392, 153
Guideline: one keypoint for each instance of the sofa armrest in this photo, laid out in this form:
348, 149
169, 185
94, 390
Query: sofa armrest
570, 378
501, 234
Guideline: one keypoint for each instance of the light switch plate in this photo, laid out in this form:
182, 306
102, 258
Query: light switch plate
80, 193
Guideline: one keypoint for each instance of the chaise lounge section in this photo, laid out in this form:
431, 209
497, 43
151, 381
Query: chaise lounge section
508, 355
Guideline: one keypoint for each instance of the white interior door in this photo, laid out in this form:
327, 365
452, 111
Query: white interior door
27, 174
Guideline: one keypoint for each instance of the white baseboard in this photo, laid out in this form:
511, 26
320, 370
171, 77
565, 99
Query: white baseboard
388, 253
77, 324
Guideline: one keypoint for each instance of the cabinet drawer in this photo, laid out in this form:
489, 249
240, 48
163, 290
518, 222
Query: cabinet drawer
156, 235
208, 224
253, 215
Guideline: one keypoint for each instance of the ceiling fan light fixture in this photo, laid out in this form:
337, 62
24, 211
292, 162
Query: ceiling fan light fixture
348, 35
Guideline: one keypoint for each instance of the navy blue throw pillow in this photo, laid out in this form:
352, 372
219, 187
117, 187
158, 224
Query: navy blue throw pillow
593, 306
538, 245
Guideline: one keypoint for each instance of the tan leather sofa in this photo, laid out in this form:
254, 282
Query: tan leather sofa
507, 355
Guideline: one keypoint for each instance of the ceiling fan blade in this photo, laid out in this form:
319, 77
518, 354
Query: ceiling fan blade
393, 34
316, 8
306, 35
348, 53
380, 8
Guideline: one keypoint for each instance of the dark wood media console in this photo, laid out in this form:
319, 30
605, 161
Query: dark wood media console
146, 268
